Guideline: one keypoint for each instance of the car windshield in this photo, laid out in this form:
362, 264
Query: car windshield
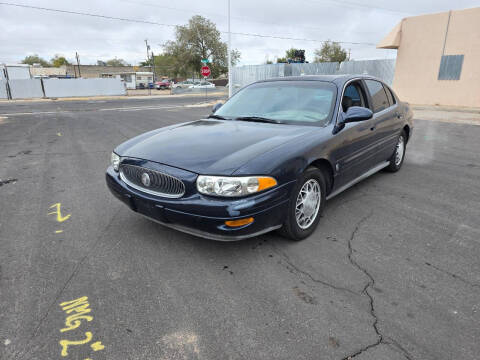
308, 102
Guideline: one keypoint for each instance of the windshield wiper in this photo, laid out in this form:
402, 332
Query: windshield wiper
213, 116
258, 119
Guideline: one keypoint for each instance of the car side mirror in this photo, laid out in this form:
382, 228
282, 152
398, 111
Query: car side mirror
357, 113
353, 114
216, 107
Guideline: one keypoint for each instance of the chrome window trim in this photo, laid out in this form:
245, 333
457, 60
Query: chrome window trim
340, 110
151, 192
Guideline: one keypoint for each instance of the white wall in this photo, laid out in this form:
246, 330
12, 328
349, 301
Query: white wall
83, 87
18, 72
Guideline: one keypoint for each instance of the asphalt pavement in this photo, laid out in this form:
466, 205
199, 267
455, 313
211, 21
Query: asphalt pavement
392, 272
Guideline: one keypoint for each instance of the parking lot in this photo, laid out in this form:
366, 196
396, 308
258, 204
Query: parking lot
392, 272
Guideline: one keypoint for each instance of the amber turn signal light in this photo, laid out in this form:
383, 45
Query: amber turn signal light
266, 183
239, 222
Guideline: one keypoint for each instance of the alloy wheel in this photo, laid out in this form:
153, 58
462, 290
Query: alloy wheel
308, 203
399, 150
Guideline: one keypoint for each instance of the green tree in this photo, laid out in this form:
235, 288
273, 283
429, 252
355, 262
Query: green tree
197, 40
35, 59
331, 51
58, 61
164, 65
116, 62
289, 54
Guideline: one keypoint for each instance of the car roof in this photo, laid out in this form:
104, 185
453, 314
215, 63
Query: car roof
337, 79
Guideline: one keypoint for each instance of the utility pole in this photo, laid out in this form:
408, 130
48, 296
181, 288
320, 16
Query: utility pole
229, 49
148, 53
153, 67
148, 62
78, 64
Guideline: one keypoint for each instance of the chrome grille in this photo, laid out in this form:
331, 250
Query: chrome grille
154, 182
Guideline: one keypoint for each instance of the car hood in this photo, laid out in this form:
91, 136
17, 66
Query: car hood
215, 147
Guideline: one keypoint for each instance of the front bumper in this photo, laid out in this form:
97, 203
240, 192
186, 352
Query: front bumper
205, 216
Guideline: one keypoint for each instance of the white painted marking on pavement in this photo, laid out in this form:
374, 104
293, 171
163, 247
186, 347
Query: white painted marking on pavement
136, 108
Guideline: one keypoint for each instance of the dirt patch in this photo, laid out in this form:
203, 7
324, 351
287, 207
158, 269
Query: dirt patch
304, 296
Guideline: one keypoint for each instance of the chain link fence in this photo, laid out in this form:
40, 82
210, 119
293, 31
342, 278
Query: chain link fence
383, 69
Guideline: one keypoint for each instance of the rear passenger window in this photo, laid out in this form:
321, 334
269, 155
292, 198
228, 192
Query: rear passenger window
379, 96
391, 98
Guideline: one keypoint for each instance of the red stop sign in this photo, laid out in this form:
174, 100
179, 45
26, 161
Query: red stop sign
205, 71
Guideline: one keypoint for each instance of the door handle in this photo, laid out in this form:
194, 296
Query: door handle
373, 127
399, 116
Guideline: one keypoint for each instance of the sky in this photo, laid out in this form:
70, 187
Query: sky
26, 31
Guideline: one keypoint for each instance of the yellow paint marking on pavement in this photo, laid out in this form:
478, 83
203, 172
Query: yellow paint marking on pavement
58, 212
97, 346
73, 303
66, 343
73, 321
79, 307
59, 134
58, 231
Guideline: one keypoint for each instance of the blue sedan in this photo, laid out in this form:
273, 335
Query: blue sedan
269, 158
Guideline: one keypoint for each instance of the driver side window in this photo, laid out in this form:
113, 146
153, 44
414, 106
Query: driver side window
353, 96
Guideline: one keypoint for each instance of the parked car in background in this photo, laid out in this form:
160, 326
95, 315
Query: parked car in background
163, 84
183, 84
202, 85
268, 158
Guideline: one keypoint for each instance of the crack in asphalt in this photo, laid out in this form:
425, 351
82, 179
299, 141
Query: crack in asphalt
381, 338
67, 282
455, 276
370, 284
74, 272
295, 268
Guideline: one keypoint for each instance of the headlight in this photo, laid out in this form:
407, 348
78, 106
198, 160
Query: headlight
115, 161
233, 186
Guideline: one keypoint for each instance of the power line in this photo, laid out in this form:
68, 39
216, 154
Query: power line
86, 14
140, 21
244, 19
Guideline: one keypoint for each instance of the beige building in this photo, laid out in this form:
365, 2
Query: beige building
45, 72
96, 71
438, 58
86, 71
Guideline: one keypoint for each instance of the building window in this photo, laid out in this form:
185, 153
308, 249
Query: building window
450, 67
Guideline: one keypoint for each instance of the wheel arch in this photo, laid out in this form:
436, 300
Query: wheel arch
326, 167
406, 128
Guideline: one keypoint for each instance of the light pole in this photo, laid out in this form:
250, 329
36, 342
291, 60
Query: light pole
148, 61
229, 56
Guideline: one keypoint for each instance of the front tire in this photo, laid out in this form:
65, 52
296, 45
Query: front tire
396, 160
306, 205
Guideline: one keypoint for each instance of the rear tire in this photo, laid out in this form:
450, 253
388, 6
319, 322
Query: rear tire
396, 160
306, 205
